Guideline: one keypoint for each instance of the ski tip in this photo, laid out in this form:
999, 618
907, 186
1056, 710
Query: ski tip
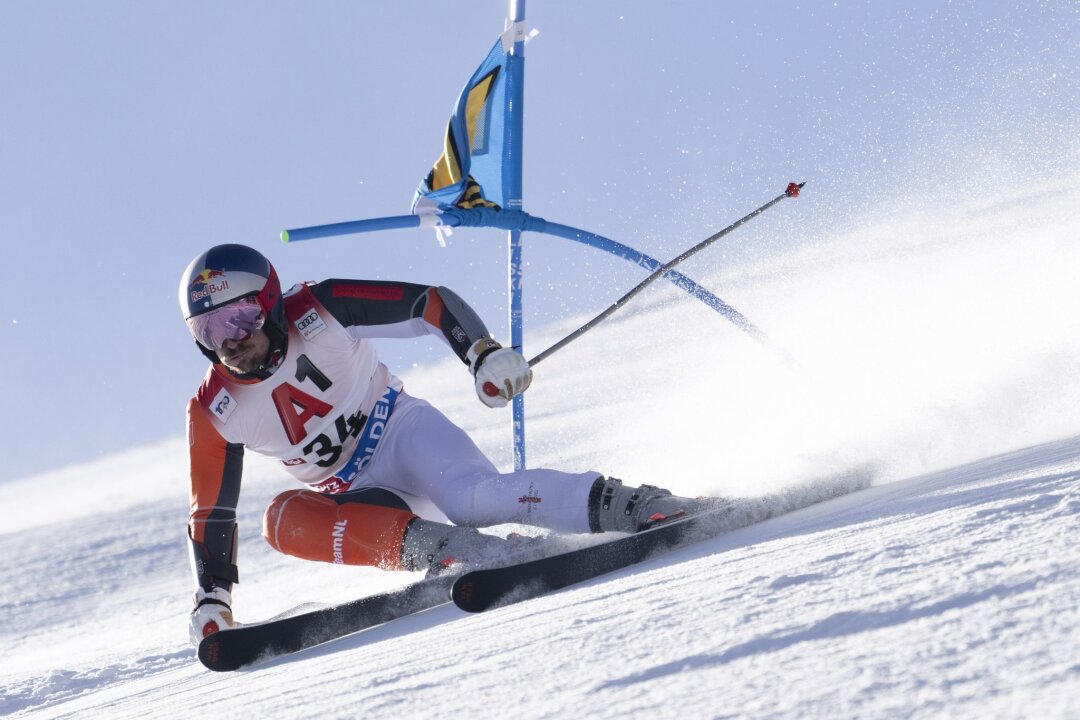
210, 654
463, 595
219, 652
477, 591
284, 236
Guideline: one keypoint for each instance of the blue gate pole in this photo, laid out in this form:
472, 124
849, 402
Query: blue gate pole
515, 93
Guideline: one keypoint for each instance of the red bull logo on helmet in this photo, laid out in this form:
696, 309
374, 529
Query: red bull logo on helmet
203, 285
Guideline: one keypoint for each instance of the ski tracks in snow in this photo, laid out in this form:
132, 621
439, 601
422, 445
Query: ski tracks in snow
940, 595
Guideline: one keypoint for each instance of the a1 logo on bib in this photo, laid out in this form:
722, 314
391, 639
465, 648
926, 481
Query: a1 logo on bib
310, 325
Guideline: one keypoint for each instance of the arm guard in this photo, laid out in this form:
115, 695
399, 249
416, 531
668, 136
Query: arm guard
212, 570
216, 467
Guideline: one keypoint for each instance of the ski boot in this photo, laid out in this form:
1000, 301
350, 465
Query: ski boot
614, 507
438, 547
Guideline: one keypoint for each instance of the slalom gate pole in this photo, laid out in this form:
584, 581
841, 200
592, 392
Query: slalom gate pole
791, 191
515, 92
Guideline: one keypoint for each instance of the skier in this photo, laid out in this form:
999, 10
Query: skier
295, 377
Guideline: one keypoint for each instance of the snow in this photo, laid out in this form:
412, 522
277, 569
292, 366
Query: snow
939, 347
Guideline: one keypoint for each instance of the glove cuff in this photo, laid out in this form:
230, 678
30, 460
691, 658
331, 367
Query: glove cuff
216, 596
480, 350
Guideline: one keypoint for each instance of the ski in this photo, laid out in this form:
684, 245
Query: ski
480, 590
232, 649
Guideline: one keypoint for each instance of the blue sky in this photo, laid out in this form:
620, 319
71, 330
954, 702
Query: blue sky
133, 135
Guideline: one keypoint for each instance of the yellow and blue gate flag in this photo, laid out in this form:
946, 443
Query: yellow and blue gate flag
470, 171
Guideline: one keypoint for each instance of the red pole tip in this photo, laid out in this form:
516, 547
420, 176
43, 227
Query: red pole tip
793, 189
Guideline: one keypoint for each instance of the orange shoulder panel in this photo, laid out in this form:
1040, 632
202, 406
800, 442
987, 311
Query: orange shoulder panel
433, 311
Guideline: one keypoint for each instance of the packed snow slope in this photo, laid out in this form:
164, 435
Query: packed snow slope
940, 347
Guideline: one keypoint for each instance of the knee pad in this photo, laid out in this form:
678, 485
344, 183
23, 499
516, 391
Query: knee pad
309, 525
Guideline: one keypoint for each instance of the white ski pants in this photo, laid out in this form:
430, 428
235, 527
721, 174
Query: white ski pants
422, 456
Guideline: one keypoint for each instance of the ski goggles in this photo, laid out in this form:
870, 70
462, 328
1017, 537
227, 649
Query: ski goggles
235, 321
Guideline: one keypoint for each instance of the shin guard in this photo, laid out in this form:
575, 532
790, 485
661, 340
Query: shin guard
308, 525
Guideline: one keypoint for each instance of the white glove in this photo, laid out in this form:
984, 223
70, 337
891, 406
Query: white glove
501, 373
212, 613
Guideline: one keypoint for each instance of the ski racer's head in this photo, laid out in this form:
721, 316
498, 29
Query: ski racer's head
231, 301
